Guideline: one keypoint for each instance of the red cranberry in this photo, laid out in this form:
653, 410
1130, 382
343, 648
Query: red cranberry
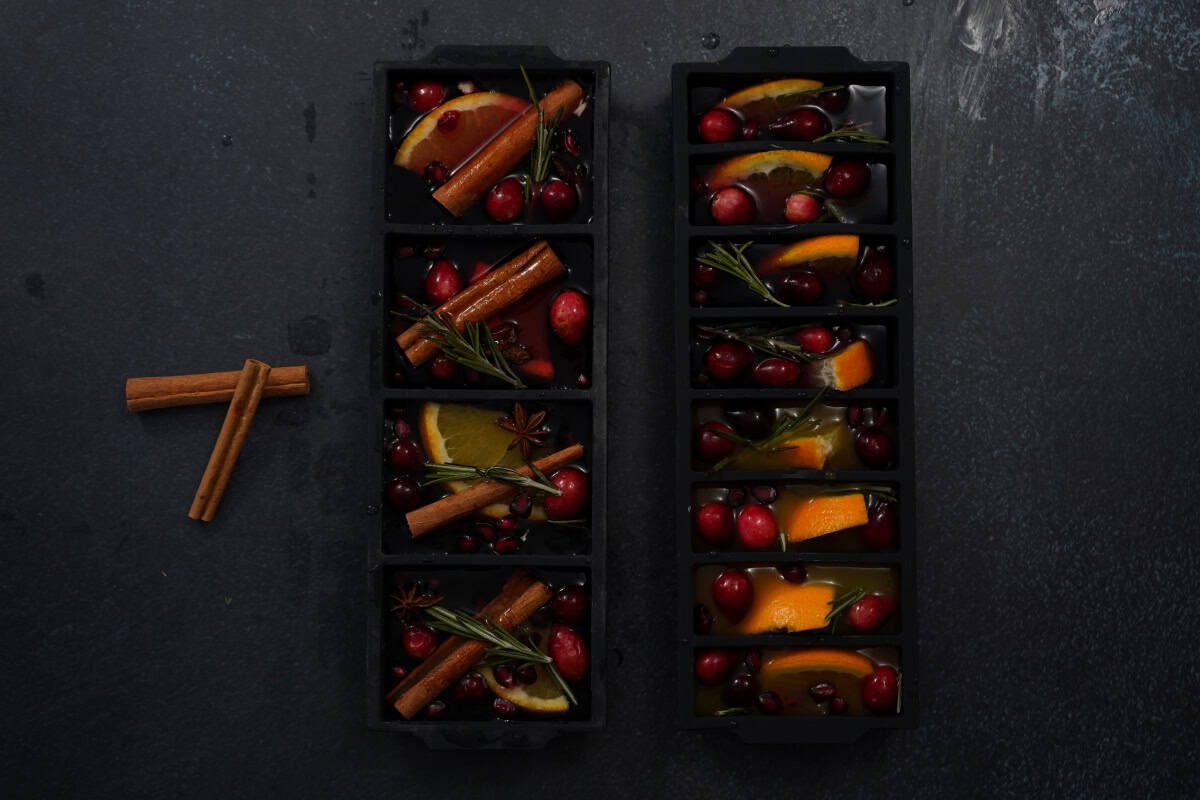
873, 278
404, 493
732, 206
559, 200
569, 651
728, 361
880, 690
704, 276
718, 125
470, 688
485, 532
570, 317
769, 703
801, 288
869, 613
425, 96
874, 447
802, 208
741, 690
815, 340
399, 671
505, 675
713, 666
466, 543
582, 380
504, 709
701, 619
402, 429
436, 173
435, 710
406, 454
764, 494
699, 297
756, 528
714, 522
793, 573
749, 130
507, 544
442, 282
521, 506
801, 125
733, 593
710, 446
820, 692
838, 705
506, 200
753, 660
527, 674
847, 179
442, 368
880, 530
775, 372
419, 641
570, 605
575, 489
834, 101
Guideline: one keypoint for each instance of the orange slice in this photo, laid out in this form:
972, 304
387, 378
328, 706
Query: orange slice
817, 516
792, 169
806, 452
481, 115
793, 607
853, 366
778, 667
829, 253
766, 101
541, 697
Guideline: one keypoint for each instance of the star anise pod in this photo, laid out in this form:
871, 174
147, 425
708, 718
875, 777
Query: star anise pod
528, 429
408, 600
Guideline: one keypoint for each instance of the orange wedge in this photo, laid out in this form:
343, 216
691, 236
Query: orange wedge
792, 169
776, 668
829, 253
766, 101
805, 452
818, 516
848, 368
542, 697
481, 115
792, 607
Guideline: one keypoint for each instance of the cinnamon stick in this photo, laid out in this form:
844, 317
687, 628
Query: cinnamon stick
146, 394
518, 599
498, 157
456, 506
242, 406
488, 283
544, 267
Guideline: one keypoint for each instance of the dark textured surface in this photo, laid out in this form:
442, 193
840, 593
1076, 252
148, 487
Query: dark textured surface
183, 188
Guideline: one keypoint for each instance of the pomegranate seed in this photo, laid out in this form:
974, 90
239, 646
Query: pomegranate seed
699, 297
822, 691
764, 494
793, 573
399, 671
466, 543
749, 130
527, 674
402, 429
507, 544
470, 688
504, 708
507, 526
485, 532
741, 690
838, 705
769, 703
521, 506
448, 121
436, 173
505, 675
435, 710
736, 498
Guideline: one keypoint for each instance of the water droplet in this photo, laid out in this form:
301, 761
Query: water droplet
710, 41
906, 242
372, 510
772, 51
227, 141
909, 2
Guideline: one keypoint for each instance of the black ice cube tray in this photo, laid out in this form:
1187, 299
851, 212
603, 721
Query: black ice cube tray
695, 88
406, 217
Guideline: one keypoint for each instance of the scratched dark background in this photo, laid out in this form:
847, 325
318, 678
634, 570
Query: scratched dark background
183, 187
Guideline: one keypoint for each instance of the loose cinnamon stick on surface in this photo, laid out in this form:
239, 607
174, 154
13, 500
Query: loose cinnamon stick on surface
146, 394
520, 597
456, 506
498, 157
242, 406
544, 267
412, 334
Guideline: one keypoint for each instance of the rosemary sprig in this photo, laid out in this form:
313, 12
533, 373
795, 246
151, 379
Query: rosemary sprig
842, 602
786, 426
884, 304
502, 646
441, 473
732, 262
540, 162
855, 132
473, 347
768, 342
733, 711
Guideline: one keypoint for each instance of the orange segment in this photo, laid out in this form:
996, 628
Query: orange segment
793, 607
794, 169
838, 252
778, 667
481, 115
806, 452
766, 101
851, 367
818, 516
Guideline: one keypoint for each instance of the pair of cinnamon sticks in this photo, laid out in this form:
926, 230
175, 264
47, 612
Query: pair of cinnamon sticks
242, 390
